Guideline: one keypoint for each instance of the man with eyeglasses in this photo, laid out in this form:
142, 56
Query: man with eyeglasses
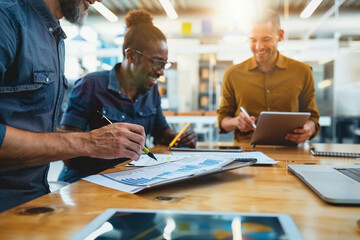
127, 93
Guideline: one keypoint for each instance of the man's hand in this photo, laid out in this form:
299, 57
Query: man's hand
117, 140
241, 122
188, 139
244, 123
302, 134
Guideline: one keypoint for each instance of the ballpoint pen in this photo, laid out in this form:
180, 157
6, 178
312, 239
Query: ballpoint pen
145, 150
178, 135
246, 114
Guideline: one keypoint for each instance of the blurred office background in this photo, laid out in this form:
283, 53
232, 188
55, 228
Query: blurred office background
207, 36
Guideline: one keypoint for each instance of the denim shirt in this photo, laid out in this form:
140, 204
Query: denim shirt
100, 91
32, 86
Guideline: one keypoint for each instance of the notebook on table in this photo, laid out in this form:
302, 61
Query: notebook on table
144, 224
336, 150
334, 184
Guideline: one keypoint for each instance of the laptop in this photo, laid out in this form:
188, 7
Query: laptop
334, 184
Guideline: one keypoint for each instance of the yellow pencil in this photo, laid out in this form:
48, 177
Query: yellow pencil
178, 135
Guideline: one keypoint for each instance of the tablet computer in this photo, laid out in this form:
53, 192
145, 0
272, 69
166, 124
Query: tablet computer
208, 148
173, 224
272, 127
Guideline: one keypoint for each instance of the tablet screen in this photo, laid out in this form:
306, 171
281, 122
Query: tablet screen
190, 225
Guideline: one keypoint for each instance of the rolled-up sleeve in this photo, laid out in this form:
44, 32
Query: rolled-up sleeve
7, 54
2, 133
228, 104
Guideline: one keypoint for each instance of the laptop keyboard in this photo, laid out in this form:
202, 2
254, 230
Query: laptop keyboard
353, 173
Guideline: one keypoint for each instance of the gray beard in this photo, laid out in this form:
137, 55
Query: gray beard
72, 11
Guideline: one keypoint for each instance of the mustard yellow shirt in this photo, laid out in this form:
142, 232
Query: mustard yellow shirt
289, 87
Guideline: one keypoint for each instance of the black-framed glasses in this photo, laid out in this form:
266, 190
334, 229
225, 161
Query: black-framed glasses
157, 64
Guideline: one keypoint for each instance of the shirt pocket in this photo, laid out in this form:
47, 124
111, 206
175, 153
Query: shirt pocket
39, 96
114, 115
146, 113
146, 118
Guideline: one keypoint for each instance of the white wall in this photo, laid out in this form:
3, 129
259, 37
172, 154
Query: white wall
188, 82
347, 83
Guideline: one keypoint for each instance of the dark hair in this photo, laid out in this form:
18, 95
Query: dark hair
141, 30
267, 15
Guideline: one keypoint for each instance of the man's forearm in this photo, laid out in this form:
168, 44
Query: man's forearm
22, 147
227, 124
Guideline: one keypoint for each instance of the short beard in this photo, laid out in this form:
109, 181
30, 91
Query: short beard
72, 11
139, 81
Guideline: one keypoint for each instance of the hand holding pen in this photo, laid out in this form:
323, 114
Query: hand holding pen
133, 139
188, 139
245, 123
184, 138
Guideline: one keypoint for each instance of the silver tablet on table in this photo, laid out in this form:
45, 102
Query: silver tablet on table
272, 127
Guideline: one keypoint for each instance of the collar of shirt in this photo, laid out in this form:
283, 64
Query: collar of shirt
113, 84
280, 63
47, 18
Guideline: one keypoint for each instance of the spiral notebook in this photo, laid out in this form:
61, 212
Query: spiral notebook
336, 150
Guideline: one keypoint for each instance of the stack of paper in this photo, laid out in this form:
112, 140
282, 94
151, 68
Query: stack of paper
135, 180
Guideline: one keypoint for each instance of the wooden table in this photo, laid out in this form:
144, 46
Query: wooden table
255, 189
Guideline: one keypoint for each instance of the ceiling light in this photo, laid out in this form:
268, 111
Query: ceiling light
310, 8
169, 9
105, 12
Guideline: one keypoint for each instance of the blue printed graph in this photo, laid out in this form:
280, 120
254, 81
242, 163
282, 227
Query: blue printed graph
136, 181
161, 176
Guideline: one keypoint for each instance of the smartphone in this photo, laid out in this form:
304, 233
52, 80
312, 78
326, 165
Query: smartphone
208, 148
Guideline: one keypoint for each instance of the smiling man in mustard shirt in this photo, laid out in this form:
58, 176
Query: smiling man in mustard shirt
268, 81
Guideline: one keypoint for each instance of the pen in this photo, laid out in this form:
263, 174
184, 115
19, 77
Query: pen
145, 150
178, 135
246, 114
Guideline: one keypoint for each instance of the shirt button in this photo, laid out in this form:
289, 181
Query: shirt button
51, 29
47, 79
268, 91
140, 113
104, 112
123, 116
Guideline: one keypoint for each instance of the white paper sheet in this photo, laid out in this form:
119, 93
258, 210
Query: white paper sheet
261, 157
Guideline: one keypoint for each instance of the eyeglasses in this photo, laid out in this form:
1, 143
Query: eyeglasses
157, 64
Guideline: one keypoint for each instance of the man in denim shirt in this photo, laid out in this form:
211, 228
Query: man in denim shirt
32, 86
127, 93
